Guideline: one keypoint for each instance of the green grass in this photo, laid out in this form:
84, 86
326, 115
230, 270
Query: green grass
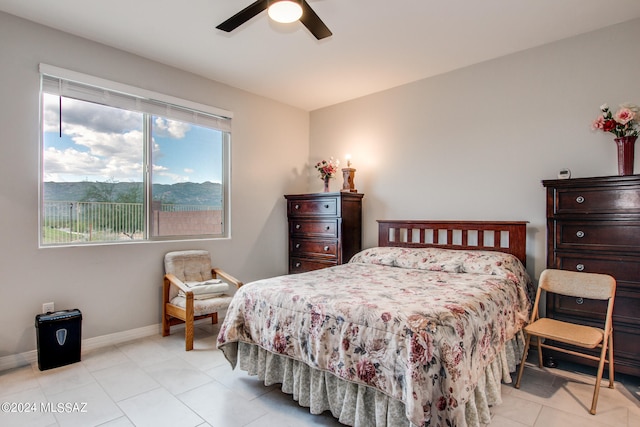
53, 235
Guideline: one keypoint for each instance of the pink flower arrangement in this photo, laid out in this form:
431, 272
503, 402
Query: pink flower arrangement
327, 169
623, 123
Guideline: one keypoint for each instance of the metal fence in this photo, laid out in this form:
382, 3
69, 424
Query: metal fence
70, 221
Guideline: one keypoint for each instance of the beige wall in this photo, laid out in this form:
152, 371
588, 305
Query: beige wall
476, 143
118, 287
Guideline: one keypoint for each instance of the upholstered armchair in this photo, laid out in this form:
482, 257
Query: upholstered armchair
193, 290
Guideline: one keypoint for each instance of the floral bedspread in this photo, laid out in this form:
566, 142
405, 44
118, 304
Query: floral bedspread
420, 325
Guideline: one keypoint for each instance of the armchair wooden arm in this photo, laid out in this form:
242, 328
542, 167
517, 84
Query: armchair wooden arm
171, 279
226, 276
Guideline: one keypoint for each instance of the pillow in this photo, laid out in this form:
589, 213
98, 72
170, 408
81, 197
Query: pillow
432, 259
446, 260
491, 262
376, 255
499, 264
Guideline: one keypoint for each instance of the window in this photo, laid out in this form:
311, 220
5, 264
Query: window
121, 164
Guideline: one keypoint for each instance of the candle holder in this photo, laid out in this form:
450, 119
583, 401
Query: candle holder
348, 175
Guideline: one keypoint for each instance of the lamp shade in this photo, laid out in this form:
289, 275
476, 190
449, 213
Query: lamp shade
285, 11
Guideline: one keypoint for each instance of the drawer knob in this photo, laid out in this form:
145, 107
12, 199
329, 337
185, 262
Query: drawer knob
580, 234
580, 267
297, 265
326, 248
297, 245
326, 206
579, 301
328, 227
580, 199
296, 207
297, 226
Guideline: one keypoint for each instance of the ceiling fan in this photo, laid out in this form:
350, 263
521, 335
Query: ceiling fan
300, 9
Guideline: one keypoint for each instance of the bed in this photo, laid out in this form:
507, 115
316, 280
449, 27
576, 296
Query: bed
418, 331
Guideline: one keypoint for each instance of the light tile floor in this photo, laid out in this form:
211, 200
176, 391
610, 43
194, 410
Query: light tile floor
154, 382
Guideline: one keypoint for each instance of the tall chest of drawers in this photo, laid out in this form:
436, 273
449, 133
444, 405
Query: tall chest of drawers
325, 229
593, 225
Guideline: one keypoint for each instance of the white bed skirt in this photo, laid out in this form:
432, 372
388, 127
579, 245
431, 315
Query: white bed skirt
362, 406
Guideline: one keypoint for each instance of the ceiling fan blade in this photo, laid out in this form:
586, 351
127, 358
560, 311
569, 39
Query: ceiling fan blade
243, 16
313, 22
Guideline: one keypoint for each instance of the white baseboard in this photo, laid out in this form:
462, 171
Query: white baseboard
29, 357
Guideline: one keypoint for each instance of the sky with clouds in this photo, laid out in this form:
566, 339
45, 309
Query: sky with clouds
101, 143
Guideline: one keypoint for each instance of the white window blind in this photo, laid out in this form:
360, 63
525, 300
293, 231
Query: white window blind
71, 84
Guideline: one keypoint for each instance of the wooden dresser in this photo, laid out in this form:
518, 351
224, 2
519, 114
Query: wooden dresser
593, 225
325, 229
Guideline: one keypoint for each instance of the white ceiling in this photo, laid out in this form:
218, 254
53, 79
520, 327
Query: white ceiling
376, 44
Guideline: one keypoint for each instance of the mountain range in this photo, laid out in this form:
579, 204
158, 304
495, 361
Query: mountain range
185, 193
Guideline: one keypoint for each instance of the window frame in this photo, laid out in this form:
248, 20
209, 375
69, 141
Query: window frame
179, 109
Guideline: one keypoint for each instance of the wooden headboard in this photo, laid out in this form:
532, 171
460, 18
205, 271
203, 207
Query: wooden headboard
503, 236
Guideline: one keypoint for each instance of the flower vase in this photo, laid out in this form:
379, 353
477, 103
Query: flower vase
326, 184
626, 145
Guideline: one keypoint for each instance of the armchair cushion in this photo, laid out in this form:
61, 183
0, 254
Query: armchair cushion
204, 306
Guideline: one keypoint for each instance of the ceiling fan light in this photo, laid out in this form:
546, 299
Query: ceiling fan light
285, 11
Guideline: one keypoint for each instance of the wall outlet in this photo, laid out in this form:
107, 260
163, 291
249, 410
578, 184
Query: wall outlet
48, 307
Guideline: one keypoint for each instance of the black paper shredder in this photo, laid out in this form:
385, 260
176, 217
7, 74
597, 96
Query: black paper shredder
59, 335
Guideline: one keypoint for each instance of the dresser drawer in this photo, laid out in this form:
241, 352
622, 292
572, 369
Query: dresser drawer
598, 235
623, 268
593, 310
310, 228
300, 265
325, 206
319, 248
624, 308
626, 271
597, 200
